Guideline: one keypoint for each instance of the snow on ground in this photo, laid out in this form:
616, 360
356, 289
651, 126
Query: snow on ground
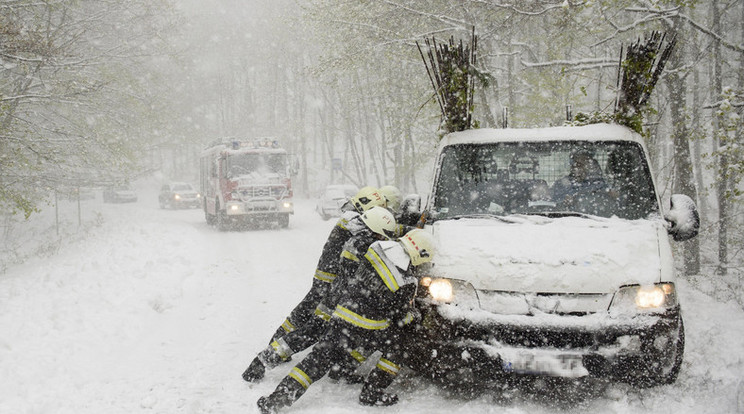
156, 312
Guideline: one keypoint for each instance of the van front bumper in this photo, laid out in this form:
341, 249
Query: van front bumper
462, 345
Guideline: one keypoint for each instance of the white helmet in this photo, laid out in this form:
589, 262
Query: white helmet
393, 196
380, 220
419, 245
366, 198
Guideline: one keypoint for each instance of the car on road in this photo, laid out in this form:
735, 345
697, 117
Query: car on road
543, 270
122, 193
332, 198
179, 195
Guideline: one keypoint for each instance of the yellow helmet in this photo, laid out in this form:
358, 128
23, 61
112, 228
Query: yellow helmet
419, 244
380, 220
366, 198
393, 196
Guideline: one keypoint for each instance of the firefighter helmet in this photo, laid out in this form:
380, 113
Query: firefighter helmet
419, 245
380, 220
366, 198
393, 196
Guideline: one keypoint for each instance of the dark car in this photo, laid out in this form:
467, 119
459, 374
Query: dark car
122, 193
179, 195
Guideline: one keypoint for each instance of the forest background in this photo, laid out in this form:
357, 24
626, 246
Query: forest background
96, 92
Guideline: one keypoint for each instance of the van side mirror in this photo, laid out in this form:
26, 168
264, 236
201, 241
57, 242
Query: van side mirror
683, 218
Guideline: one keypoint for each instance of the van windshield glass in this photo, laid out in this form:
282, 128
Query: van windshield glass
257, 164
552, 178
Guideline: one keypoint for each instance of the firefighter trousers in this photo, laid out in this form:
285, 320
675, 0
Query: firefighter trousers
332, 352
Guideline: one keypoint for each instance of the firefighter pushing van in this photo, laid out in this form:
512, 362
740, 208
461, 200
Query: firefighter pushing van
326, 272
377, 299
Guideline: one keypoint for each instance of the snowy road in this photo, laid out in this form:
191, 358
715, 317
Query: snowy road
155, 312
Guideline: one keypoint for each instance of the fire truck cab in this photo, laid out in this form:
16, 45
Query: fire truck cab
245, 182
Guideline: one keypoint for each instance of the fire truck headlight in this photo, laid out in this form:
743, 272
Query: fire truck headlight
234, 208
287, 205
177, 197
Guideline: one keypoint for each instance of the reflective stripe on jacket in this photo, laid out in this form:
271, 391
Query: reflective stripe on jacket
359, 320
324, 276
389, 273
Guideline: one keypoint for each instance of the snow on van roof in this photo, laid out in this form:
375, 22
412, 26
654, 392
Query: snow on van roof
593, 132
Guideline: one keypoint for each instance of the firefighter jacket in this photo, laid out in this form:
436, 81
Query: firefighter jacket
380, 291
353, 250
348, 225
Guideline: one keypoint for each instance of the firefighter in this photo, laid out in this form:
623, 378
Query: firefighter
407, 220
379, 297
325, 273
375, 224
393, 196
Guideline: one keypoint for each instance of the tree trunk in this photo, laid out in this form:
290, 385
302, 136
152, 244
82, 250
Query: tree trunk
697, 133
722, 181
511, 87
682, 175
300, 125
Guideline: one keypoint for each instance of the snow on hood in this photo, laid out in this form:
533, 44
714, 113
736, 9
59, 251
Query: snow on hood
539, 254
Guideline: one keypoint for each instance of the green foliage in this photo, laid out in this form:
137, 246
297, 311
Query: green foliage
641, 69
14, 202
451, 69
597, 117
72, 107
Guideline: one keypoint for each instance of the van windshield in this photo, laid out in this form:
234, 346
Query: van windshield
550, 178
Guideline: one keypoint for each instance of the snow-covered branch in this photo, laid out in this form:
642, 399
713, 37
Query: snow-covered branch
676, 12
576, 63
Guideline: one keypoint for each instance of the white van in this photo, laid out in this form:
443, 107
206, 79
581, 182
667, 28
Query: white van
553, 258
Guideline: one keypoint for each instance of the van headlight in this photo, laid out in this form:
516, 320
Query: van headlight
451, 291
635, 299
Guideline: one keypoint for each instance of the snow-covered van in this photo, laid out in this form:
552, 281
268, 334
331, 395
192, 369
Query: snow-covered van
553, 258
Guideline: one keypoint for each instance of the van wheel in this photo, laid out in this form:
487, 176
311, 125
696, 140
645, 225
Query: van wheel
666, 373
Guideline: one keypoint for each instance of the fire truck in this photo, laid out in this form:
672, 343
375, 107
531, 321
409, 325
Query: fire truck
245, 182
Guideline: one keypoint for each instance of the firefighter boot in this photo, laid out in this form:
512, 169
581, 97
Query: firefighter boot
268, 358
285, 394
255, 371
373, 391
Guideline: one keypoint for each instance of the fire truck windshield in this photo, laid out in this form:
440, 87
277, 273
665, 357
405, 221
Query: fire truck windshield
259, 163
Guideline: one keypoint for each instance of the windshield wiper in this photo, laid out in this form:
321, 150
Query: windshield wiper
480, 216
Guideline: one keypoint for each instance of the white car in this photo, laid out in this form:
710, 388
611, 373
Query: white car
545, 270
333, 198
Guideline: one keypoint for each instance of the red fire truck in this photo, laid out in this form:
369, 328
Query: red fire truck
244, 182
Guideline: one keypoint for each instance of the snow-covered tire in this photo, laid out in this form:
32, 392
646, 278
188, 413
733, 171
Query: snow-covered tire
664, 375
223, 223
283, 220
